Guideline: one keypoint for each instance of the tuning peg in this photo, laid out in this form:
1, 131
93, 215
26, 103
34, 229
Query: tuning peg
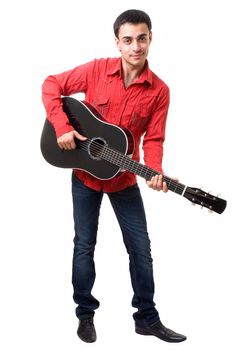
210, 211
202, 205
218, 194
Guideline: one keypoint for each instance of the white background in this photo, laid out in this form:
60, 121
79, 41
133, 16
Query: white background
192, 250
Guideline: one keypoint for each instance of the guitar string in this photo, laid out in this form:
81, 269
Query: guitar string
95, 146
172, 184
113, 156
117, 155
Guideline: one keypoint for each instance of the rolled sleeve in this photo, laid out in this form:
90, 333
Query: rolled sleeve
155, 134
63, 84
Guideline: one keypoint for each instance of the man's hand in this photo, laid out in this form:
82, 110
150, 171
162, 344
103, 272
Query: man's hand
157, 183
67, 142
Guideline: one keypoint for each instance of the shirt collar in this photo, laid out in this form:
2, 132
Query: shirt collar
146, 75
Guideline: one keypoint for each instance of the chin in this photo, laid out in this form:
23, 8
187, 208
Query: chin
138, 63
140, 60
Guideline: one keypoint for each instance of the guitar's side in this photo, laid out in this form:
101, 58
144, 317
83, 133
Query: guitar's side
83, 120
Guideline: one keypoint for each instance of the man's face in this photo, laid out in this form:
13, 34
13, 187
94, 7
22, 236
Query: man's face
133, 42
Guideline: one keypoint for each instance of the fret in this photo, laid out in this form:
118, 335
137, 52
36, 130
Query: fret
126, 163
174, 186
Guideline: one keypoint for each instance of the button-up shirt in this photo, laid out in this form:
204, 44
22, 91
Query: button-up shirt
141, 107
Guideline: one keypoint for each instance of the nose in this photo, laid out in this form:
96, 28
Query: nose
136, 46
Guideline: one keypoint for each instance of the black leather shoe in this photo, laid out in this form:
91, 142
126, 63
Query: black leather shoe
160, 331
86, 330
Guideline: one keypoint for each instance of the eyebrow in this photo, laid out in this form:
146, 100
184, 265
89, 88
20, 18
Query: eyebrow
138, 37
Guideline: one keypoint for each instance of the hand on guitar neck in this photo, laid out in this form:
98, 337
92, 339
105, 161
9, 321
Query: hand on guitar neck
67, 141
157, 183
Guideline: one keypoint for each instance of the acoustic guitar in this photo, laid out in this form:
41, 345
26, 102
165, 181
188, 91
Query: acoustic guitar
107, 151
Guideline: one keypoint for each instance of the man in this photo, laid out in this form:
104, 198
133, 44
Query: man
127, 93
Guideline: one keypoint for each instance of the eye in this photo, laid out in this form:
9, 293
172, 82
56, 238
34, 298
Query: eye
142, 39
127, 41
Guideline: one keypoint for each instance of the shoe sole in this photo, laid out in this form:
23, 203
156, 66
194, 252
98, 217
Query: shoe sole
87, 341
143, 332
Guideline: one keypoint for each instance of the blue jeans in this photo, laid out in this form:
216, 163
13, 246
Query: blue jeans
129, 210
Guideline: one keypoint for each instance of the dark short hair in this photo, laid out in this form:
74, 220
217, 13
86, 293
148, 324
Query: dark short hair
131, 16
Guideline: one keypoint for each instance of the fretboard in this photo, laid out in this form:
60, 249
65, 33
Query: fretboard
126, 163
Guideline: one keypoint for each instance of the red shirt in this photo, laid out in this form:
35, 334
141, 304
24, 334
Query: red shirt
141, 107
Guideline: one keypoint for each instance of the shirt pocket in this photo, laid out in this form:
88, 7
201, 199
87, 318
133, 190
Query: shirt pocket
101, 103
140, 118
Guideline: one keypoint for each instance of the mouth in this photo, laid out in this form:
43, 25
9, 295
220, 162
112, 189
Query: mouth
136, 56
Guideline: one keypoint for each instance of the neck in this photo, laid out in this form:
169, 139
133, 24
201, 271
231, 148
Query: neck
131, 73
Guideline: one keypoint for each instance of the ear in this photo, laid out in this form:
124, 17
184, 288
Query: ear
150, 36
117, 41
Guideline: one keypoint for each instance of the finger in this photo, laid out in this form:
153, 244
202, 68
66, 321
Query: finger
158, 182
156, 185
153, 182
165, 188
72, 144
60, 145
64, 146
79, 136
68, 145
149, 183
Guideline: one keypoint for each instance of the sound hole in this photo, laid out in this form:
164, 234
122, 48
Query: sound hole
95, 148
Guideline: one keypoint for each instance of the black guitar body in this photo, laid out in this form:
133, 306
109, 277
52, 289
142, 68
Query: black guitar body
88, 122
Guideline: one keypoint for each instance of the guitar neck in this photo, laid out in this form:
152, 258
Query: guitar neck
126, 163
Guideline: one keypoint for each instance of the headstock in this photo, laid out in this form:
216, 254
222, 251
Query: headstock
204, 199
